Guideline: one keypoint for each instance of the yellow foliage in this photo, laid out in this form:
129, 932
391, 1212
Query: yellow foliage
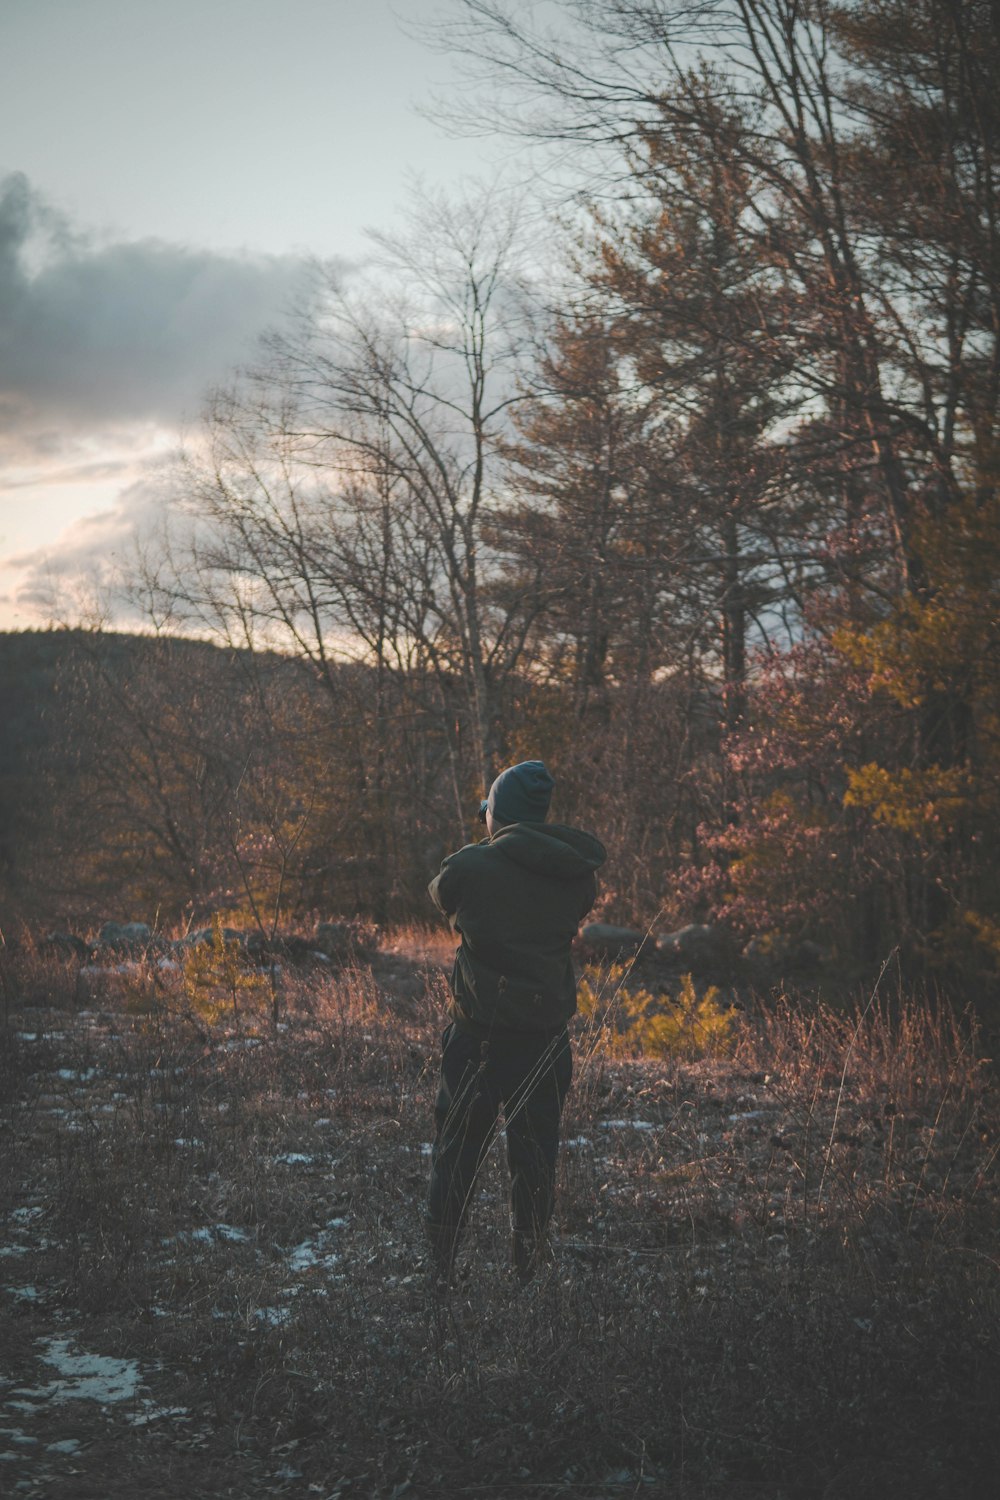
636, 1021
923, 803
216, 981
987, 931
950, 633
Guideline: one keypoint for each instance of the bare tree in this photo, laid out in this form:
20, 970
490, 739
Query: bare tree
345, 490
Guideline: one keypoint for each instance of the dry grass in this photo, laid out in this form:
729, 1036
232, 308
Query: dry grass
774, 1274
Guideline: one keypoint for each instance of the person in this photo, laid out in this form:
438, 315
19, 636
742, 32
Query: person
516, 899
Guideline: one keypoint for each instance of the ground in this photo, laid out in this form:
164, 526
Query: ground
773, 1271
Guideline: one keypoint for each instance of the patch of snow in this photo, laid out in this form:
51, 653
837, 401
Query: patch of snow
191, 1141
154, 1414
81, 1377
232, 1233
190, 1236
15, 1435
209, 1235
750, 1114
317, 1124
25, 1215
628, 1125
65, 1445
24, 1293
76, 1075
294, 1159
303, 1256
309, 1254
235, 1043
577, 1142
13, 1249
274, 1316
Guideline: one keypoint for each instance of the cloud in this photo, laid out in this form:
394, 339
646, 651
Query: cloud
95, 334
97, 555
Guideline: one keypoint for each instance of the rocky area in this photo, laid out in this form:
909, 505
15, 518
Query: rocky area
336, 941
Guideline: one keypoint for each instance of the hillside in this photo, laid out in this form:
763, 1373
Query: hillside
75, 703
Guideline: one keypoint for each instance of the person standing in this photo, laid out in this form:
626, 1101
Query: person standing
516, 900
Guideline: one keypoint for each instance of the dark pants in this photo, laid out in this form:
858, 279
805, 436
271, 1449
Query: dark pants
526, 1076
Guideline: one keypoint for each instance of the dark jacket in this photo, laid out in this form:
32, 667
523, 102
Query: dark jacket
517, 900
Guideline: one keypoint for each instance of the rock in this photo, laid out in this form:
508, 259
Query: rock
345, 940
283, 945
778, 953
296, 948
204, 937
122, 932
611, 942
693, 947
125, 937
334, 939
194, 939
66, 944
806, 955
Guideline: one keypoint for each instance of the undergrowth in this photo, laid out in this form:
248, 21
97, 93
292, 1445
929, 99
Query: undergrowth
629, 1021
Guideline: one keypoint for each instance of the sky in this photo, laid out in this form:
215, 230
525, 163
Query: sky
166, 172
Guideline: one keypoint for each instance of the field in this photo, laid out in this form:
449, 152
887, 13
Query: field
775, 1270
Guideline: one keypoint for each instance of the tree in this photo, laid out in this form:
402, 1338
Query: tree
581, 469
344, 502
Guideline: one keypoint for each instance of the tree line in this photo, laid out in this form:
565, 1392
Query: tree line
709, 519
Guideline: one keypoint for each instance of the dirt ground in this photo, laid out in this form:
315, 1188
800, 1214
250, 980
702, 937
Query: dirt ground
774, 1271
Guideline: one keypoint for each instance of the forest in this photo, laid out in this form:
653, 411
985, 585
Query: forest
690, 491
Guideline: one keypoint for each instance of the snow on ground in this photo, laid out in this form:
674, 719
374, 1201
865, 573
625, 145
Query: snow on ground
80, 1377
209, 1235
318, 1250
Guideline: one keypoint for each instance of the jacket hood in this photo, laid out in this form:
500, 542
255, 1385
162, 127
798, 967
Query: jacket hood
550, 849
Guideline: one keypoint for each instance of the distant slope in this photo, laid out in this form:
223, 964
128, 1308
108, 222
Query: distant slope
37, 759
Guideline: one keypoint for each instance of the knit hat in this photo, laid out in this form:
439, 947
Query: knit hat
521, 794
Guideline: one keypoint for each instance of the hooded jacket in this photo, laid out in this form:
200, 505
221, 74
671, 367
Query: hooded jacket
516, 900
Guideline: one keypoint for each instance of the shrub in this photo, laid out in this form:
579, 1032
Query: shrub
636, 1021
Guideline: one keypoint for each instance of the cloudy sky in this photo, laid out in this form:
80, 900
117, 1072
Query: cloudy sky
165, 171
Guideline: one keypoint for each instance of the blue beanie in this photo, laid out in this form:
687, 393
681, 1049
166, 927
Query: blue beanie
521, 794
